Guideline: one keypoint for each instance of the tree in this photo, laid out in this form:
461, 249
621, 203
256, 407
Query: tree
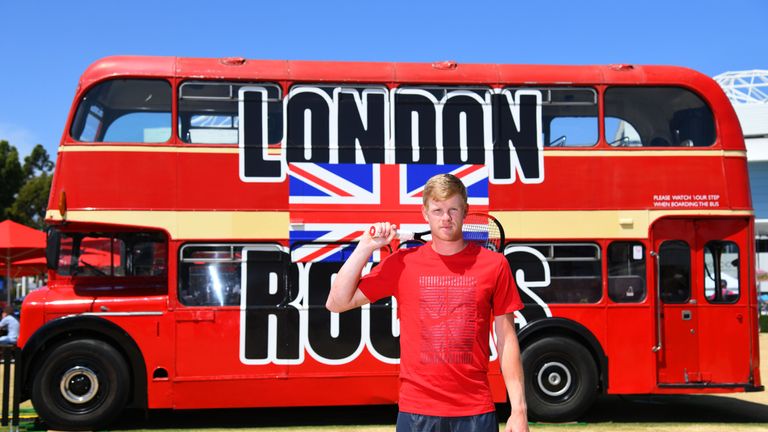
11, 176
38, 162
32, 202
32, 199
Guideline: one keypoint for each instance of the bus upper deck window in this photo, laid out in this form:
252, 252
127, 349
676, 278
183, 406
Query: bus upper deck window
209, 111
124, 110
569, 116
657, 117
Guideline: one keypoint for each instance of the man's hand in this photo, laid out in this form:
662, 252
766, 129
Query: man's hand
512, 371
344, 294
384, 233
517, 423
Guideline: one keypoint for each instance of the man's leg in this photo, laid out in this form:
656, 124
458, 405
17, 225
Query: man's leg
477, 423
407, 422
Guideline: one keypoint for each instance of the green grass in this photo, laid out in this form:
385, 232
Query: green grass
28, 425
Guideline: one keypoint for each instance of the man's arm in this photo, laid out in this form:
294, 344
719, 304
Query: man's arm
344, 293
512, 371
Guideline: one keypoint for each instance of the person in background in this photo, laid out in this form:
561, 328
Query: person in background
11, 324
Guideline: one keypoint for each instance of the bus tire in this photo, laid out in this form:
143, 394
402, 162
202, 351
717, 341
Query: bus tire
81, 384
561, 380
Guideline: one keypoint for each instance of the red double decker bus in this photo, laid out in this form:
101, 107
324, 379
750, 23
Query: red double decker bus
201, 207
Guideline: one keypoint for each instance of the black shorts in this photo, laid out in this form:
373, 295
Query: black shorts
407, 422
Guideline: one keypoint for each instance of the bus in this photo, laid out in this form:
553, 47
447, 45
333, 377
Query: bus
201, 207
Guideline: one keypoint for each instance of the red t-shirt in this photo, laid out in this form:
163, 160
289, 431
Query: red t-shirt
446, 304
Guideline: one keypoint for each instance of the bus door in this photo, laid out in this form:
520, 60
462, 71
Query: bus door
697, 322
677, 340
228, 321
724, 258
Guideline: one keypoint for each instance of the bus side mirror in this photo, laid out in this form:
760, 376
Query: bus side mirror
53, 246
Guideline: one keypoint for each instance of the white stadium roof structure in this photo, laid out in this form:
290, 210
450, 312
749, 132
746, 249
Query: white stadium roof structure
745, 87
748, 92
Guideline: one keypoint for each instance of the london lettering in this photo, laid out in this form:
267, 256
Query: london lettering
375, 125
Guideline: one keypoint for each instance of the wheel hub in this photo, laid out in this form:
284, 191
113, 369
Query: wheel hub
554, 379
79, 385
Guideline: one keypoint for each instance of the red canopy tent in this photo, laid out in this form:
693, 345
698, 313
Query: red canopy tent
26, 267
18, 242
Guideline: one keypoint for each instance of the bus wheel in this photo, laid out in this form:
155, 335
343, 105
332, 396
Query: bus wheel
560, 379
82, 384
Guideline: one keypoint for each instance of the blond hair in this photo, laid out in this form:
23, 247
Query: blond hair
443, 186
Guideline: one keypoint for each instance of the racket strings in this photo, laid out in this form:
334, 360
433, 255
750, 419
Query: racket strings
483, 230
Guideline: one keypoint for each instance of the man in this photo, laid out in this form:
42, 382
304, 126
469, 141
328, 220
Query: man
447, 290
11, 324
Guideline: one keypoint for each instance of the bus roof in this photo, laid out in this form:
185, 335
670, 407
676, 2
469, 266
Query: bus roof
236, 68
438, 73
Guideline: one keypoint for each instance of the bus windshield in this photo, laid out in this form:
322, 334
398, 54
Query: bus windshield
112, 254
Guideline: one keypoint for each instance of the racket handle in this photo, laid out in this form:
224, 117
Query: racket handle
401, 235
405, 235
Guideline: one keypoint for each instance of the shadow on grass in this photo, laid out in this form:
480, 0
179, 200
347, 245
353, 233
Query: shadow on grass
258, 417
613, 409
676, 408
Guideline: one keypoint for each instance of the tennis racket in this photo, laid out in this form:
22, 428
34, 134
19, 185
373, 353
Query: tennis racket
485, 230
480, 228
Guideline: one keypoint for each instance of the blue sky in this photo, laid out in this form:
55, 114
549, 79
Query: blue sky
46, 46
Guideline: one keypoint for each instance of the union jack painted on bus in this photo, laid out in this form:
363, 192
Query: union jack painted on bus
324, 226
474, 177
330, 184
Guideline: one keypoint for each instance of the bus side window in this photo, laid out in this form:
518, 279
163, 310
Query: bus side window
569, 116
575, 272
209, 112
658, 117
621, 133
626, 272
124, 110
721, 269
145, 256
209, 275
